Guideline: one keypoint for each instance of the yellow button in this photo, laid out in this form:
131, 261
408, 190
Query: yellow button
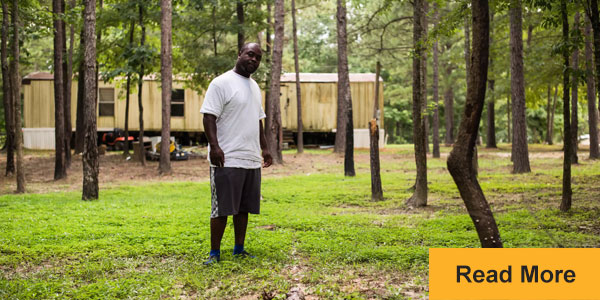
514, 273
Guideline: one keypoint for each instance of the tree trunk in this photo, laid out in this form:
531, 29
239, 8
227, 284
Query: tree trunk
529, 34
68, 84
127, 96
140, 86
342, 109
419, 198
214, 29
60, 170
595, 20
16, 95
300, 139
376, 189
436, 116
424, 76
343, 87
520, 153
79, 125
574, 96
508, 131
273, 133
449, 108
467, 51
240, 17
553, 111
98, 44
449, 115
166, 74
565, 204
90, 151
591, 93
474, 162
268, 56
548, 119
491, 114
7, 97
491, 118
349, 151
461, 155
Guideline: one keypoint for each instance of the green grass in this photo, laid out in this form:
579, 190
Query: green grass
320, 231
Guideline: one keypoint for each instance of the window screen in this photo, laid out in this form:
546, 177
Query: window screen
177, 103
106, 103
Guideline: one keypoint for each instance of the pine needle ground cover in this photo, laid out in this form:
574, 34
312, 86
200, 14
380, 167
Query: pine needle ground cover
318, 232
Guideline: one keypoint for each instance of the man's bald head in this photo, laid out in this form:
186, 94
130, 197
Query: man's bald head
252, 45
248, 59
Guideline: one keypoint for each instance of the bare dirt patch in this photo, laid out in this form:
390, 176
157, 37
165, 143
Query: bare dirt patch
115, 170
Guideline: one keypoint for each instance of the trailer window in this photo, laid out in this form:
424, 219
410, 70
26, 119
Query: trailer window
106, 103
177, 103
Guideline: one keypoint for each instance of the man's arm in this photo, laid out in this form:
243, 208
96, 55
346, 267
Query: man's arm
263, 145
217, 157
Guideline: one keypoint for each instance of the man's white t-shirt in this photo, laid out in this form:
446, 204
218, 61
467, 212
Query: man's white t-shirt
236, 102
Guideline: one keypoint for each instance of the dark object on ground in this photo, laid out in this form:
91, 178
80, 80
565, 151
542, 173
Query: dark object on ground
116, 140
176, 152
175, 155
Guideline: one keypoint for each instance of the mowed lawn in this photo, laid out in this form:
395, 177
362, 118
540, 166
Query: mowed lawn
318, 232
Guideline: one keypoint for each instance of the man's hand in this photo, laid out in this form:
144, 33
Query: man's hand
268, 160
217, 157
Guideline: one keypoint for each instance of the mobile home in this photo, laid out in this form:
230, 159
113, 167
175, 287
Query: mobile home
319, 107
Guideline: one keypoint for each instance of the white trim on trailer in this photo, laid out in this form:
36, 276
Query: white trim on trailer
43, 138
362, 138
39, 138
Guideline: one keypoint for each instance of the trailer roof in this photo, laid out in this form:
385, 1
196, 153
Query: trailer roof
328, 77
39, 76
285, 77
50, 76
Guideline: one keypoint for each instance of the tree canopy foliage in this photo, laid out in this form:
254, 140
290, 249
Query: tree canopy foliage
205, 39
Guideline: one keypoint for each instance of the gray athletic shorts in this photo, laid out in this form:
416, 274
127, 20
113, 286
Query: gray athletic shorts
234, 190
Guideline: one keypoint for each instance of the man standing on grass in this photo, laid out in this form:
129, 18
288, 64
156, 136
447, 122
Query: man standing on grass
232, 122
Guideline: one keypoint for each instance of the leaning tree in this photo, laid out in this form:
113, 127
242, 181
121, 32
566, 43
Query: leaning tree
460, 158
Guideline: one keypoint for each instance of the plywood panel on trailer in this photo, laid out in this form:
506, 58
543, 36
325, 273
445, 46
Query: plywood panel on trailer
74, 105
319, 105
42, 104
121, 104
133, 108
134, 112
177, 124
105, 122
153, 105
27, 118
193, 117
